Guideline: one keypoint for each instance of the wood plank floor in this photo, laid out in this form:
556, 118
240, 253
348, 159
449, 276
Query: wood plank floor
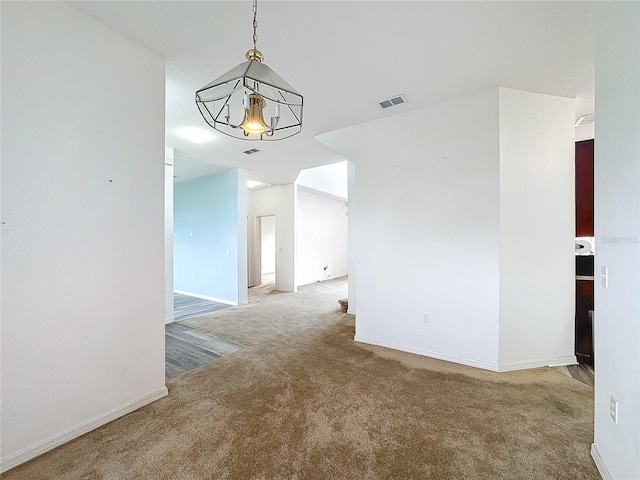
583, 373
187, 348
185, 306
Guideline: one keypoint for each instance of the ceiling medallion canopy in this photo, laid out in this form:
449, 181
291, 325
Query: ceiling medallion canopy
236, 103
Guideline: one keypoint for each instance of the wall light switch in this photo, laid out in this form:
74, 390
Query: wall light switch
604, 276
228, 251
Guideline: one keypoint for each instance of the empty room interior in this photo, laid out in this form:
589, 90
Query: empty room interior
416, 257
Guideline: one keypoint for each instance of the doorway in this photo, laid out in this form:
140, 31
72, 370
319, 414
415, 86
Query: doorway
267, 249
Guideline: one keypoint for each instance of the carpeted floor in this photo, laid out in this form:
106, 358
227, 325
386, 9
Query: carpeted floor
303, 401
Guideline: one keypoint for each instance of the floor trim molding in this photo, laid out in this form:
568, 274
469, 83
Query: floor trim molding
56, 440
429, 353
602, 468
499, 367
551, 362
205, 297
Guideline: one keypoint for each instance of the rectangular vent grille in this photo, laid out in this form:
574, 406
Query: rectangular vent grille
392, 101
251, 150
586, 120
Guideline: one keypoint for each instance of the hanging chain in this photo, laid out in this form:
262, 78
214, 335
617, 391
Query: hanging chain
255, 23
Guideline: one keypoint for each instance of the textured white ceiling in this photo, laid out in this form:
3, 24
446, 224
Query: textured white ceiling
344, 56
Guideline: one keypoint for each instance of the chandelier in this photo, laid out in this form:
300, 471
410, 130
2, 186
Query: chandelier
237, 102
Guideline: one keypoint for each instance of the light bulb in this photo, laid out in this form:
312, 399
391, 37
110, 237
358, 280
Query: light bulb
253, 120
253, 127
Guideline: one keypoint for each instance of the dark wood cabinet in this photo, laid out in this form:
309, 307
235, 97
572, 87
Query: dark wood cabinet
584, 188
584, 321
584, 266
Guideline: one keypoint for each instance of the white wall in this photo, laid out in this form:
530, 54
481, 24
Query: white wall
281, 202
268, 244
616, 447
537, 229
82, 236
427, 191
168, 235
331, 179
322, 238
429, 229
352, 251
242, 237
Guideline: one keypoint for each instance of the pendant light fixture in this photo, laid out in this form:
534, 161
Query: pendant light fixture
236, 103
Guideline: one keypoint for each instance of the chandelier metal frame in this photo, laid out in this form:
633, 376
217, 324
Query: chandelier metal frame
257, 88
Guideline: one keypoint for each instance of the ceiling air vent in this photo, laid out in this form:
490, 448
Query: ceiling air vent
586, 120
390, 102
250, 151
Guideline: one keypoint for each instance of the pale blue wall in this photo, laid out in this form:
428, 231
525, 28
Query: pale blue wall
205, 227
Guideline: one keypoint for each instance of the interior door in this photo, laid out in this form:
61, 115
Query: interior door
254, 273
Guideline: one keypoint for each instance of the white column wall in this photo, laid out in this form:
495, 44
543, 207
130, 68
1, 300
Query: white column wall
616, 447
430, 224
352, 251
168, 235
537, 229
82, 268
242, 239
427, 236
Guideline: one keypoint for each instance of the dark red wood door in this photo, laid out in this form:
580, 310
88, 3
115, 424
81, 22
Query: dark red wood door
584, 188
584, 327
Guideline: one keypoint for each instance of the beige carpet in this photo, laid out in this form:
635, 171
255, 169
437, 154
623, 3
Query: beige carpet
303, 401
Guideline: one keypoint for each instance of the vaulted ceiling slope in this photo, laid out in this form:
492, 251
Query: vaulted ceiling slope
344, 56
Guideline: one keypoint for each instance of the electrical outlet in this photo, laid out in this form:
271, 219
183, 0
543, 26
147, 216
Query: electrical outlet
613, 409
327, 275
426, 318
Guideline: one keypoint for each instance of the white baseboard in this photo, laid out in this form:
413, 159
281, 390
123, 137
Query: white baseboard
429, 353
205, 297
499, 367
171, 319
602, 468
56, 440
549, 362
